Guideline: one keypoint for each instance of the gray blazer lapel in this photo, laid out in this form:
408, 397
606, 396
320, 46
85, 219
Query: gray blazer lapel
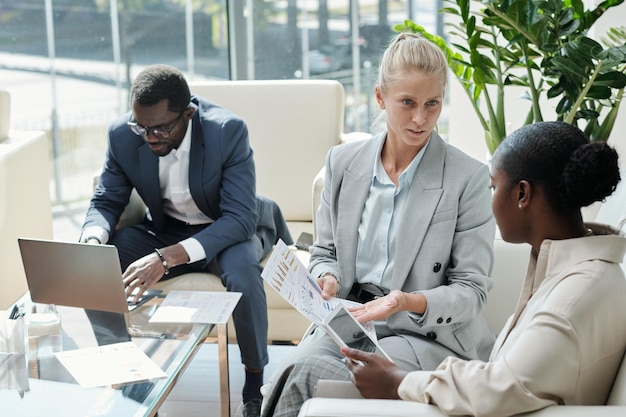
422, 201
356, 181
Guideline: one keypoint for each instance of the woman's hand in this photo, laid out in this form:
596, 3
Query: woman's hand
373, 375
395, 301
329, 285
380, 308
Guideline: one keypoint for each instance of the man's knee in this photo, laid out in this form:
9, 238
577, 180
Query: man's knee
239, 266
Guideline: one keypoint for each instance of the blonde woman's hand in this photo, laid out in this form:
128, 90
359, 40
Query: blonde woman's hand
329, 285
380, 308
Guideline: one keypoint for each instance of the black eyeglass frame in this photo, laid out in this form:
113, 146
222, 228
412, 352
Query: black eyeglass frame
157, 132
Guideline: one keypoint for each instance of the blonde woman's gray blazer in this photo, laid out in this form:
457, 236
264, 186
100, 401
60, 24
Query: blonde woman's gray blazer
444, 248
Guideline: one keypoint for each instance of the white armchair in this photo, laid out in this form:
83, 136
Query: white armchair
292, 124
25, 207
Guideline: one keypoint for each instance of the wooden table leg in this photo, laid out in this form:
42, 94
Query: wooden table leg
222, 347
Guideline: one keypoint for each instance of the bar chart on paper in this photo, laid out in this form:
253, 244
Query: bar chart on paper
289, 277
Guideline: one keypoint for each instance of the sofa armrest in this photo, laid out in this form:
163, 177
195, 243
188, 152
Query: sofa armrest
334, 407
5, 114
354, 136
318, 187
579, 411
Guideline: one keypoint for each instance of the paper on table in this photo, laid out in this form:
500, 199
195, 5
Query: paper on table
117, 363
196, 307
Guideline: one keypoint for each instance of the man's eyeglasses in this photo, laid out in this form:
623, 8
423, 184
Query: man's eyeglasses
157, 132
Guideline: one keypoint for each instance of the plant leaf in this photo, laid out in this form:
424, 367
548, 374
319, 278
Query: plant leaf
599, 92
555, 91
564, 105
613, 79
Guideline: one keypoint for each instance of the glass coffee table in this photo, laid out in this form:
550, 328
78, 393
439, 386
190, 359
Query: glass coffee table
48, 389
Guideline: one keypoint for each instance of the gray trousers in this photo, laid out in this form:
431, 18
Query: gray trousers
318, 357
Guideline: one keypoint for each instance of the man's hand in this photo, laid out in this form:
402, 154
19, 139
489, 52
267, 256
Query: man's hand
89, 238
94, 235
142, 273
373, 375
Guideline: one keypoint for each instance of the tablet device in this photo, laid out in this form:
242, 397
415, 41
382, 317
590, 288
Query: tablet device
347, 331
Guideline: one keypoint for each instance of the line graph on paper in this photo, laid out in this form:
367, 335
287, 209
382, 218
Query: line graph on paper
289, 277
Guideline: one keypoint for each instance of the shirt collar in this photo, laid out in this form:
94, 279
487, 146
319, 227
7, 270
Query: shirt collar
185, 145
605, 244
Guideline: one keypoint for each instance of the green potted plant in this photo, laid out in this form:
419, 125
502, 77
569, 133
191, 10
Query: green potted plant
541, 46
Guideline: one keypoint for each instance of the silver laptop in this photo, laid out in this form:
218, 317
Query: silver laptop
76, 275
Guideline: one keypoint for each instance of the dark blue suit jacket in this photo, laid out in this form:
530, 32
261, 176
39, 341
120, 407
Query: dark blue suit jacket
221, 180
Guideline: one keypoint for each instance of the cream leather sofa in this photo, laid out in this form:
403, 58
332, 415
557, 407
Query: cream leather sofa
22, 214
292, 124
509, 270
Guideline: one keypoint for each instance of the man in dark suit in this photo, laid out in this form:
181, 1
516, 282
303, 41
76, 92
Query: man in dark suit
191, 162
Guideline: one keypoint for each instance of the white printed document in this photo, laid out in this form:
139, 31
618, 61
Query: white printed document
196, 307
117, 363
290, 278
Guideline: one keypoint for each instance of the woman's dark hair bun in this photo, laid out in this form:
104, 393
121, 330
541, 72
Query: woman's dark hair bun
573, 171
590, 175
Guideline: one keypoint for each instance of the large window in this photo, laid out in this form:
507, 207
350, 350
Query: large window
68, 63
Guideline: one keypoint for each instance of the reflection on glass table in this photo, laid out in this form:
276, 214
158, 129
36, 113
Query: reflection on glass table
52, 391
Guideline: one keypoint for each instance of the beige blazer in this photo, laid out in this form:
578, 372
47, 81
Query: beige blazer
563, 344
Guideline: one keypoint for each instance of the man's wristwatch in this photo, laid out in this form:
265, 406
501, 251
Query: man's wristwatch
163, 261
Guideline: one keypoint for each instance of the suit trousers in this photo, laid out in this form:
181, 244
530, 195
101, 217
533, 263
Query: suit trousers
318, 357
239, 269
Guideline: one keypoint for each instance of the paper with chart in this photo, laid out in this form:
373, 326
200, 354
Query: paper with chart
290, 278
196, 307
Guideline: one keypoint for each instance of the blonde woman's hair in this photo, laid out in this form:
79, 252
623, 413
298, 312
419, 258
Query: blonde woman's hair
411, 52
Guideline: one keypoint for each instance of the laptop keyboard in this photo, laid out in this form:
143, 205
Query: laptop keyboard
147, 295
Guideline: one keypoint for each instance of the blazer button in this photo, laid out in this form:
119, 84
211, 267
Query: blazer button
439, 320
449, 319
436, 267
431, 335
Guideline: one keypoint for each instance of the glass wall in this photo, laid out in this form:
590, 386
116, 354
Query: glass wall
68, 63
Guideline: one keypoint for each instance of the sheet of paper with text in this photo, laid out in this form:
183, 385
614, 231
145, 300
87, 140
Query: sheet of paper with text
118, 363
289, 277
196, 307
